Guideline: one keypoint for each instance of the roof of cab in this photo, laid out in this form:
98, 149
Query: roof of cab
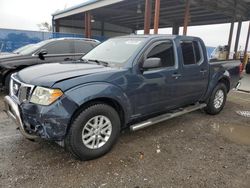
160, 36
73, 38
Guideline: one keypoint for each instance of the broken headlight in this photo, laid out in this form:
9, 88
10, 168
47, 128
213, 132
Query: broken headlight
45, 96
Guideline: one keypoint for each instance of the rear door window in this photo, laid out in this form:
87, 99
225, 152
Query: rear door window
197, 51
60, 47
191, 52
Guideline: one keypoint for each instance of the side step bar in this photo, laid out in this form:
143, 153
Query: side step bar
166, 116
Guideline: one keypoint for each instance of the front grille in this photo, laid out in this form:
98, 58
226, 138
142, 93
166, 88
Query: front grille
24, 94
20, 91
15, 87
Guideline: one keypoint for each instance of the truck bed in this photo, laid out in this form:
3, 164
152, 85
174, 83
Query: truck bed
230, 66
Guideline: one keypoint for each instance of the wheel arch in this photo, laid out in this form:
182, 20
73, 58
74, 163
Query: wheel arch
11, 71
102, 100
213, 83
225, 81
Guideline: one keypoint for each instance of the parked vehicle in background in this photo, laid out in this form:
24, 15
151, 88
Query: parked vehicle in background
48, 51
4, 53
17, 51
245, 60
248, 67
220, 53
131, 81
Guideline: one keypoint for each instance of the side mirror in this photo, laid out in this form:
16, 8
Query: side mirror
41, 53
151, 63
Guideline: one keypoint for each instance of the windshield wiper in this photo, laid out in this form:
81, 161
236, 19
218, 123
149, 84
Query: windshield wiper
84, 60
104, 63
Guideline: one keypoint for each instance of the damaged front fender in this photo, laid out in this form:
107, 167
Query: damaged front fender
48, 122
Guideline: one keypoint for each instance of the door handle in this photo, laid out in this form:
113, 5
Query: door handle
203, 71
176, 75
68, 59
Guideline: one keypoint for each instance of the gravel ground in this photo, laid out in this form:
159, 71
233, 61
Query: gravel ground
194, 150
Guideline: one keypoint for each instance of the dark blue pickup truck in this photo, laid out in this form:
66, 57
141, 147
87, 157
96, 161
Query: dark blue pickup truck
131, 81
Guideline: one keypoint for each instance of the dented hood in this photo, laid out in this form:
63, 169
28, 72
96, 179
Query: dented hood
49, 74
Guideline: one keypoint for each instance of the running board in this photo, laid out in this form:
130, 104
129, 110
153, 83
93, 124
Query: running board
166, 116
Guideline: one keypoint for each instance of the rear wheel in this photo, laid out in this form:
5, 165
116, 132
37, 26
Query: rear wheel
93, 132
217, 99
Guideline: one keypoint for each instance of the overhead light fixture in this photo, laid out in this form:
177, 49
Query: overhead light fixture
138, 11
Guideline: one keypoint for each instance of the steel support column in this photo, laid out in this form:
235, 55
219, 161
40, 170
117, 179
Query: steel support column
147, 16
186, 17
53, 24
237, 39
102, 28
86, 24
229, 44
87, 20
246, 46
157, 16
57, 26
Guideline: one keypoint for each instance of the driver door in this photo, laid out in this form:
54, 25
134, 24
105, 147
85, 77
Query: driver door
156, 86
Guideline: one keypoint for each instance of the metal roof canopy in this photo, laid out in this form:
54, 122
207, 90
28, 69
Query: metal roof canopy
130, 13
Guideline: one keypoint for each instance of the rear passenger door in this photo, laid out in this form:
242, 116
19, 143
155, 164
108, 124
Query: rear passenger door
58, 51
194, 71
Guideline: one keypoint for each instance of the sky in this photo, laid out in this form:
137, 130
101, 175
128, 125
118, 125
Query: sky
26, 14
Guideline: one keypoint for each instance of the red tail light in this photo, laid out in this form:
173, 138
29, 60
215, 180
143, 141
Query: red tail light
241, 68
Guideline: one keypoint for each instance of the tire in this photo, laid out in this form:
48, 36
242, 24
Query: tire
83, 125
248, 68
214, 107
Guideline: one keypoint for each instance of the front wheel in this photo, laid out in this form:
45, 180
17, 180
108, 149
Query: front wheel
217, 99
93, 132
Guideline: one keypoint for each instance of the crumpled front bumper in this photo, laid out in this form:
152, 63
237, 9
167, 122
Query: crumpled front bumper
48, 122
12, 110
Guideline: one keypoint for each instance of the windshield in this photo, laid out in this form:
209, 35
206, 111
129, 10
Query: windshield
18, 50
33, 48
115, 51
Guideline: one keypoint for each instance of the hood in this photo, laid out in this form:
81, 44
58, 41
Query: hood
9, 56
48, 74
8, 60
4, 54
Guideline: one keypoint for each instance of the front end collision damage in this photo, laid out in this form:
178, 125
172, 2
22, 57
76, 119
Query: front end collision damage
13, 112
48, 122
52, 122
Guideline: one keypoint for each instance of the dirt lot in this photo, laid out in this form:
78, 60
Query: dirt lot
195, 150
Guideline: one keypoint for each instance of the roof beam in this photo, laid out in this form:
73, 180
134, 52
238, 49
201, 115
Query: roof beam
167, 12
233, 8
87, 7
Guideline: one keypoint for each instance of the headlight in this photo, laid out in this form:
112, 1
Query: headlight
45, 96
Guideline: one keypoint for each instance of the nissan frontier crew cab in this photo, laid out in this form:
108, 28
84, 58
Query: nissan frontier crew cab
130, 81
